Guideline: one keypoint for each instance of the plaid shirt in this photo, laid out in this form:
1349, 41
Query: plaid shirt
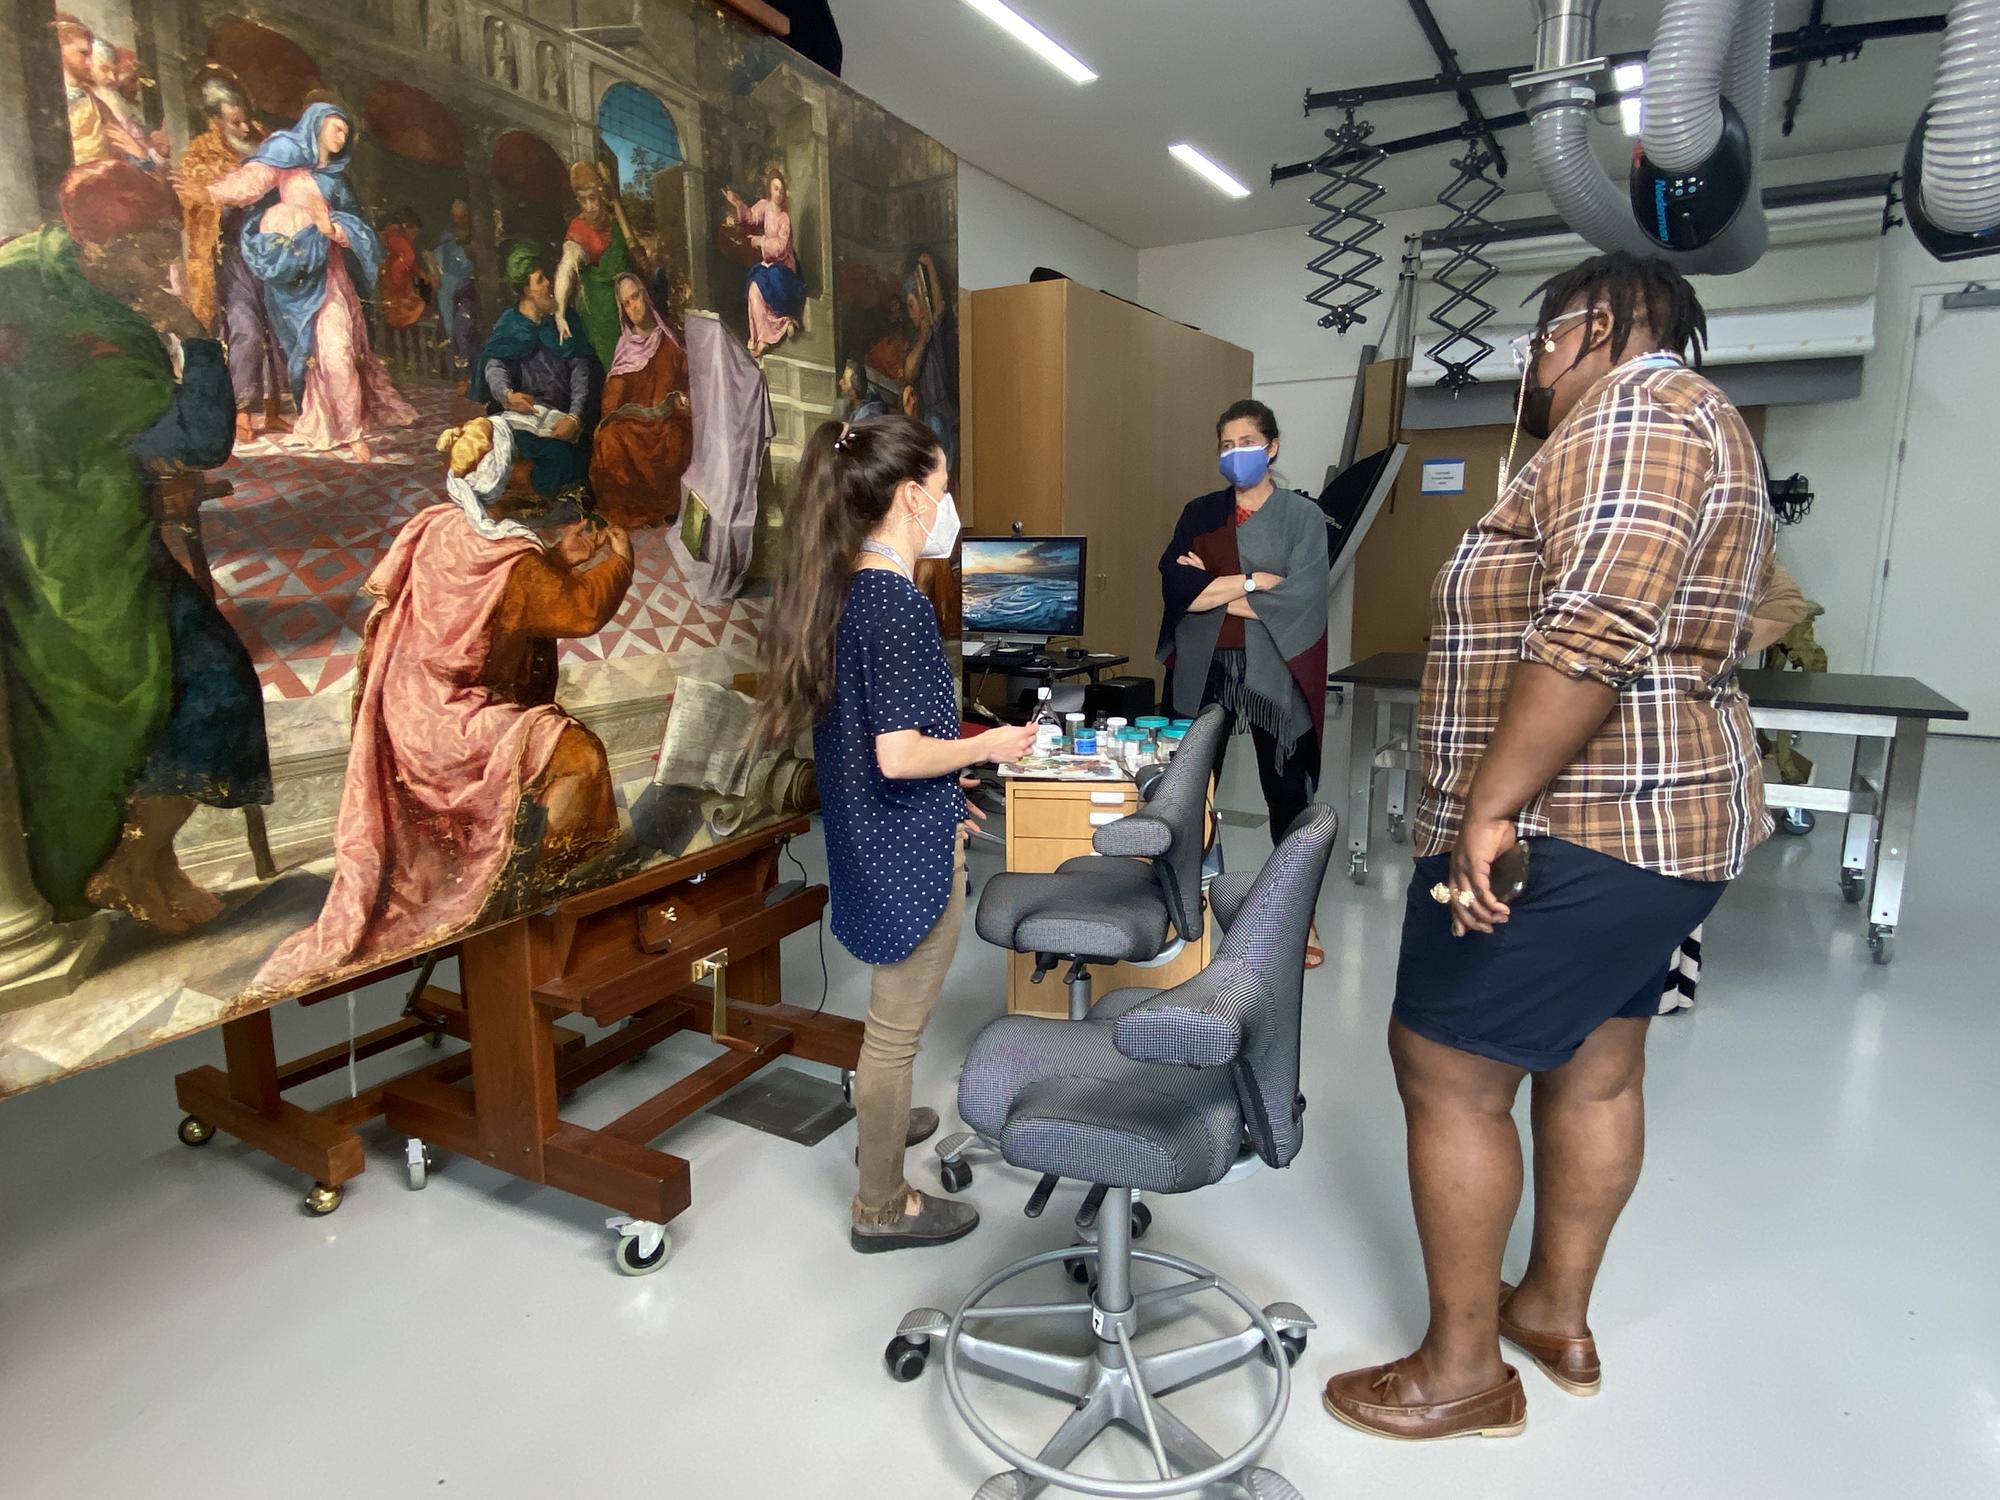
1628, 552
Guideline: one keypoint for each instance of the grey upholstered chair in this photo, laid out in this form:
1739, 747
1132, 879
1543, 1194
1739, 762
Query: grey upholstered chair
1165, 1092
1136, 900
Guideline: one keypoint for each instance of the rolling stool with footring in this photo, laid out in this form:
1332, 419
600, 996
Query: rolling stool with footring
1137, 900
1158, 1091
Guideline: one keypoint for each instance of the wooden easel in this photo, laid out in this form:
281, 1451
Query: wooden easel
245, 1097
636, 952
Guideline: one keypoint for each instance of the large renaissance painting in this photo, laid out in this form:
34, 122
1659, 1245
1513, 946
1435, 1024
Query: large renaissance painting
397, 405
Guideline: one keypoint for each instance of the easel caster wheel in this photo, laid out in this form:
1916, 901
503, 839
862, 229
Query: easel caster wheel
418, 1161
1142, 1220
906, 1357
1357, 867
1851, 887
847, 1087
632, 1260
1292, 1341
195, 1132
1882, 941
434, 1038
322, 1199
954, 1176
1395, 828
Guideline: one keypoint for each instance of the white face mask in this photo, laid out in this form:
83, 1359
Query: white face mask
943, 533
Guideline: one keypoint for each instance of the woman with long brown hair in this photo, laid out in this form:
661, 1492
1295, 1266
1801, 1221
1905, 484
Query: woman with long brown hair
854, 654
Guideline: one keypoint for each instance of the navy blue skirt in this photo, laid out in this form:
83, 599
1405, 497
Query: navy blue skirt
1588, 941
783, 288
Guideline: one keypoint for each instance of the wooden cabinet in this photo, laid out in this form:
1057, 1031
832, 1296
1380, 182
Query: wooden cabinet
1052, 821
1084, 415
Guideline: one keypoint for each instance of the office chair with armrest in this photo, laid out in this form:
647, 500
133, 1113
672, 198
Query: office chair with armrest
1166, 1092
1136, 900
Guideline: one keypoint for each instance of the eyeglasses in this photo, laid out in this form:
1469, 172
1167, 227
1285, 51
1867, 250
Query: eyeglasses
1522, 344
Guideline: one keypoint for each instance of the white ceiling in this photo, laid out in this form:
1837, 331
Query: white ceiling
1232, 77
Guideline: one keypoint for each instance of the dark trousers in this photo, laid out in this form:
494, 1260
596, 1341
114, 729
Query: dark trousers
1287, 792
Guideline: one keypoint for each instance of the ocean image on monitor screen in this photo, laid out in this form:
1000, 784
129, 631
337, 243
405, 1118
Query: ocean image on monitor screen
1027, 587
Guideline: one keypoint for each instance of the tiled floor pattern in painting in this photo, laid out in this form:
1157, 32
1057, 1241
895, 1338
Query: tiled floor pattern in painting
291, 547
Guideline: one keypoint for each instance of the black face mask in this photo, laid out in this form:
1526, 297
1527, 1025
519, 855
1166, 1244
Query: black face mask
1537, 409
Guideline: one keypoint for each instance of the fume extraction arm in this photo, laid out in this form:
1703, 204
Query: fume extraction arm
1951, 170
1693, 196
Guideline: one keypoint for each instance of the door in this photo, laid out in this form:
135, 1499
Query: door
1940, 611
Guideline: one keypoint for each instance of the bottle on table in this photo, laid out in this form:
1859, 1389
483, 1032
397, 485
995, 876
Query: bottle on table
1072, 732
1048, 728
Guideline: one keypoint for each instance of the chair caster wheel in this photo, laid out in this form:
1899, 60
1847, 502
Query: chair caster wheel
1291, 1340
195, 1132
1079, 1269
954, 1176
1142, 1220
418, 1161
322, 1199
632, 1254
1882, 942
1852, 888
906, 1357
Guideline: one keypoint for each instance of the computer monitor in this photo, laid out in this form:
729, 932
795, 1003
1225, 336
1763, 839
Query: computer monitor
1024, 587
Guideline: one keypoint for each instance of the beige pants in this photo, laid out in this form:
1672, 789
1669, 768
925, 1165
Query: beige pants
900, 1001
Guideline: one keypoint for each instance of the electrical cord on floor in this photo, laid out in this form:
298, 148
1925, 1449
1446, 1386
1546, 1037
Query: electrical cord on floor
819, 931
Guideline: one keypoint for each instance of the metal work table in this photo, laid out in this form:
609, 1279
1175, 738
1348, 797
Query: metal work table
1889, 719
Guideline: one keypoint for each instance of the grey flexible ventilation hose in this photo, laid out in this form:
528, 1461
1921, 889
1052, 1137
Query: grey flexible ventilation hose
1683, 94
1561, 116
1961, 159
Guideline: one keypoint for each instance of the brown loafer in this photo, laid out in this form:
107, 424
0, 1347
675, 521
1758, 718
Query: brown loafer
1389, 1401
1570, 1362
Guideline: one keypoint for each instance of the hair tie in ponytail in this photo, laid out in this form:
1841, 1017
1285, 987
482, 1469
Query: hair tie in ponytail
840, 443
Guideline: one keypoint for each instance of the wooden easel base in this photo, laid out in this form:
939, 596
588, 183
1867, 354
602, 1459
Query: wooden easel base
614, 1164
245, 1098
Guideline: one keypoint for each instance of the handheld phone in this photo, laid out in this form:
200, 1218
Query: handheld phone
1509, 874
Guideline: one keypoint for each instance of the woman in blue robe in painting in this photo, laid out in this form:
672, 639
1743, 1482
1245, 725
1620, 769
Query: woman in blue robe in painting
303, 214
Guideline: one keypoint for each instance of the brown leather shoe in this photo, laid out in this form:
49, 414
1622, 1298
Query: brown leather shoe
1570, 1362
1389, 1401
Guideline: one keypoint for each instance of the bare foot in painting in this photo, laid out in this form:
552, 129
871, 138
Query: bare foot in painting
361, 451
190, 902
244, 430
122, 883
274, 425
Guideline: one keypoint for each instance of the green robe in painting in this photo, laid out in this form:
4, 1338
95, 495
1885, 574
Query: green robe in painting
596, 290
83, 632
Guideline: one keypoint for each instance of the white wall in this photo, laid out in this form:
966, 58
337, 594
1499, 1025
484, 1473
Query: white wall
1003, 234
1848, 450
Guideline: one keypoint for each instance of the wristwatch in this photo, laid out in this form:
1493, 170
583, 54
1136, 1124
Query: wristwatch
1249, 583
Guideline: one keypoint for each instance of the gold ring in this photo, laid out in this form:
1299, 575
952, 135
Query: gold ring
1464, 898
1441, 893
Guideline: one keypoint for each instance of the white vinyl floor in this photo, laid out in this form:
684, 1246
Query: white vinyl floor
1803, 1300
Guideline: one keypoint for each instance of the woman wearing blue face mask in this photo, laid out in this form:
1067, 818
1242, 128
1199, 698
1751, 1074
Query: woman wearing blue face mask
1245, 586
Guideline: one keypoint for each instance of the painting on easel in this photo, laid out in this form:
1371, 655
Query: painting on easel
397, 404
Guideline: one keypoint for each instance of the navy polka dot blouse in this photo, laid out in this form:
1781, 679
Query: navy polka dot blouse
889, 844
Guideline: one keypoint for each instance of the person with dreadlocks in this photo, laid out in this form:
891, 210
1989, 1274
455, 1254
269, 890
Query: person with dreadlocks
1580, 699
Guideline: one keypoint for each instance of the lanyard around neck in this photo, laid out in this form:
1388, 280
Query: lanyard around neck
883, 549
